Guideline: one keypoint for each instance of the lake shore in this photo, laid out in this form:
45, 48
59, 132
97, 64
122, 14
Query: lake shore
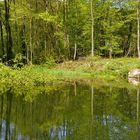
96, 71
109, 69
90, 68
97, 68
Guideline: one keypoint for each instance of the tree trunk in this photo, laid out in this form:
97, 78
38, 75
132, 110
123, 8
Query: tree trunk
45, 42
110, 52
9, 42
66, 36
138, 29
75, 44
31, 44
92, 30
23, 43
75, 51
1, 33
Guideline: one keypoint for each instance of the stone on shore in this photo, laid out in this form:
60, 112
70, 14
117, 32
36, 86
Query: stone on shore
134, 73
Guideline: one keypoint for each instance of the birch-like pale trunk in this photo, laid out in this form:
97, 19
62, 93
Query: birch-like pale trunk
75, 50
138, 29
92, 29
75, 44
110, 52
45, 27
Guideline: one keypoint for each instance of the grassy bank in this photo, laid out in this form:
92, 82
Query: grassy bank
107, 69
96, 71
90, 68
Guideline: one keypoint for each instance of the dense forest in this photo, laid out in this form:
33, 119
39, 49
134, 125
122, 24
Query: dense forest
36, 31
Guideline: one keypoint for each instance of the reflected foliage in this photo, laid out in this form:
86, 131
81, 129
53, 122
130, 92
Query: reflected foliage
74, 111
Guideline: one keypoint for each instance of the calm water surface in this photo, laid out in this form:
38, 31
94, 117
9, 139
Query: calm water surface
73, 112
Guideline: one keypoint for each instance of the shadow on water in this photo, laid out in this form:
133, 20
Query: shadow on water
76, 111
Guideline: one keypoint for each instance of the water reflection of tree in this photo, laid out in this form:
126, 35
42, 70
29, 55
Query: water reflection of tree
1, 113
114, 114
138, 126
5, 120
76, 112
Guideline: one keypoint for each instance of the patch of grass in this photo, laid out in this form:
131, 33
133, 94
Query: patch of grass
37, 79
34, 76
111, 69
107, 69
60, 73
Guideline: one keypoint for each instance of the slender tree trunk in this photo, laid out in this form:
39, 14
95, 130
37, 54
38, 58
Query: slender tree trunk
66, 36
16, 42
110, 52
75, 44
68, 45
92, 29
45, 40
64, 20
127, 41
30, 36
1, 33
56, 29
75, 50
23, 43
110, 48
138, 29
9, 42
31, 44
27, 55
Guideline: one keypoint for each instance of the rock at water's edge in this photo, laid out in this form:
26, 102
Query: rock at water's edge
134, 73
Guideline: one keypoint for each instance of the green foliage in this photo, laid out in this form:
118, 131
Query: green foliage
40, 30
50, 62
33, 76
45, 16
25, 79
63, 103
19, 61
93, 58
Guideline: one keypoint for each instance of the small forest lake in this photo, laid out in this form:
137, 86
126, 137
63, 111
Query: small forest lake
71, 111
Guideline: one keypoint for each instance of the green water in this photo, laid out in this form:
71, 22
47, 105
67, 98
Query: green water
74, 111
